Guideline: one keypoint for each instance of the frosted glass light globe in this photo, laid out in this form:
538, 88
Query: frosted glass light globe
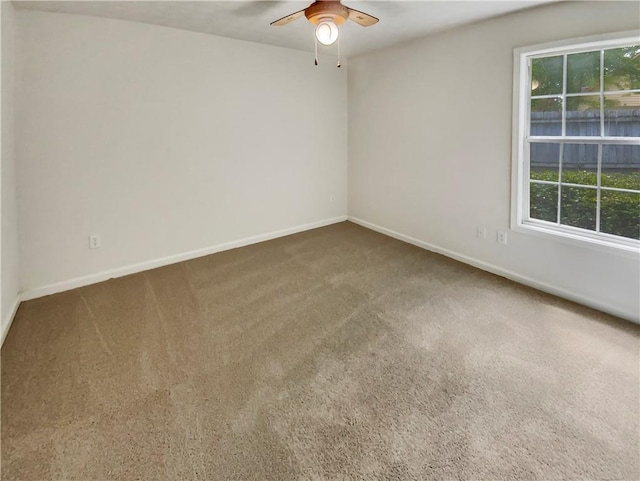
326, 32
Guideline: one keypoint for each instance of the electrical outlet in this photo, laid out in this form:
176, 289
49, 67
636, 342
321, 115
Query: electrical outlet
94, 241
502, 237
481, 232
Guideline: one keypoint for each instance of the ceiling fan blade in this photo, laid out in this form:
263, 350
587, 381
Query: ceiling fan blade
288, 19
362, 18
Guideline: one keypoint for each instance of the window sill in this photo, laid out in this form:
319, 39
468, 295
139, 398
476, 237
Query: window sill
630, 248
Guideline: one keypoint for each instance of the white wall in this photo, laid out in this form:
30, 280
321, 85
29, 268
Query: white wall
9, 275
164, 142
430, 149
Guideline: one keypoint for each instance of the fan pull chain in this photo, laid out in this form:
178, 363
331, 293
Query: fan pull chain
316, 59
338, 52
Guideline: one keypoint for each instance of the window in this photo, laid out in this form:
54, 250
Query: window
577, 141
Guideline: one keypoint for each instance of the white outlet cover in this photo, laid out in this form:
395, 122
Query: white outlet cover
94, 241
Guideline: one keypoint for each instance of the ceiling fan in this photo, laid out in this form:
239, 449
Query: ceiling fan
326, 15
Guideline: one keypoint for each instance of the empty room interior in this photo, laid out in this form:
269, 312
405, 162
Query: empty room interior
282, 240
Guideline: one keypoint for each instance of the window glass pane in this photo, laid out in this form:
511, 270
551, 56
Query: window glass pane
580, 164
546, 76
622, 115
581, 184
546, 116
544, 161
583, 115
578, 207
621, 166
583, 72
619, 213
543, 202
622, 68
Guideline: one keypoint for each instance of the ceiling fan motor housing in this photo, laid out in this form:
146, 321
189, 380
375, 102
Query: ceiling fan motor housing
327, 10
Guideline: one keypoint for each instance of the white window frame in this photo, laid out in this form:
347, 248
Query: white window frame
520, 151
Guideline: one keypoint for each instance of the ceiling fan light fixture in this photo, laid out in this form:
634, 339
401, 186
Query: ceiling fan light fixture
326, 15
326, 32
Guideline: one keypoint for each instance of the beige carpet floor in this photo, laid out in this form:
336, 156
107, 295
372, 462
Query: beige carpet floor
335, 354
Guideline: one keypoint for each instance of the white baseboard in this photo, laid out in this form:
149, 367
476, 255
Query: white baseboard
6, 324
154, 263
542, 286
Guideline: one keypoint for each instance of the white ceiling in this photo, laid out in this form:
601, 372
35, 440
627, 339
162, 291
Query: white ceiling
249, 20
